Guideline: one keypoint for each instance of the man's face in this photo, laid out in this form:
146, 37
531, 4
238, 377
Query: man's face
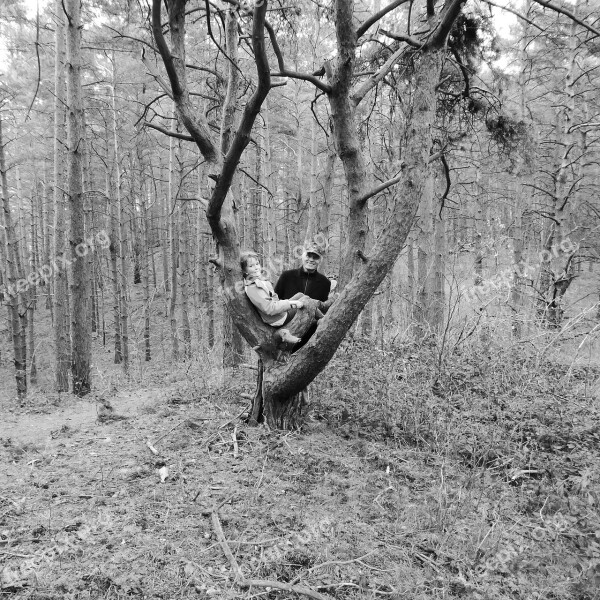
310, 261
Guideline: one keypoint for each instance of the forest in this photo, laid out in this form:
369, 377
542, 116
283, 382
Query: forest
425, 427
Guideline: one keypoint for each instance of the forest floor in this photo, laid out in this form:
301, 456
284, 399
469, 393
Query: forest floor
469, 469
474, 476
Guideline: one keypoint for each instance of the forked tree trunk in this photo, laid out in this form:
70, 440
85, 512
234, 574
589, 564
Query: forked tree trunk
281, 413
286, 375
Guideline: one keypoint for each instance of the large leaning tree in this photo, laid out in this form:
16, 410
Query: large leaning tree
283, 376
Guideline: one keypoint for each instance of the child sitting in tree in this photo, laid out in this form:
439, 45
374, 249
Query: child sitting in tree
273, 311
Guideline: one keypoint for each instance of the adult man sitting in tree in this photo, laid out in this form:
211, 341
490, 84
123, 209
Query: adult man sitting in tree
306, 280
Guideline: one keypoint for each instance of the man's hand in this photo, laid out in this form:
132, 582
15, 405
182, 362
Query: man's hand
297, 304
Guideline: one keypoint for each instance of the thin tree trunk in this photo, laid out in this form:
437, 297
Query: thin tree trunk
114, 270
81, 357
32, 292
145, 255
16, 295
174, 172
121, 229
184, 261
62, 319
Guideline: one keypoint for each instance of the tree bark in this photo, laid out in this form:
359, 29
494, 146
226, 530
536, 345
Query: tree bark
284, 379
61, 312
16, 295
81, 356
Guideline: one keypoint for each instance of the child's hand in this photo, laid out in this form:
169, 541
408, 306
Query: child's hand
297, 304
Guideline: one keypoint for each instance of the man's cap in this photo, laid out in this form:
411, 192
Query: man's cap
314, 248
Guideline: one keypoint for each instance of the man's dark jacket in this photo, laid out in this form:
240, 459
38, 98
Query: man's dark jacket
315, 285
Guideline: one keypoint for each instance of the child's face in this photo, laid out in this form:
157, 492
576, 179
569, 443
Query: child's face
253, 268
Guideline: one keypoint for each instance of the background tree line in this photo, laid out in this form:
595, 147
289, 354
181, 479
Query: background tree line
95, 140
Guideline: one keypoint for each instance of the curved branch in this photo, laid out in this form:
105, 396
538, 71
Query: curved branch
390, 182
514, 12
283, 72
448, 183
568, 13
197, 126
163, 49
449, 16
324, 87
242, 135
465, 73
179, 136
378, 16
370, 83
157, 77
402, 38
39, 64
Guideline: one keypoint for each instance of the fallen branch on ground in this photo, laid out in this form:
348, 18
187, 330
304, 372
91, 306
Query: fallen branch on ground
247, 583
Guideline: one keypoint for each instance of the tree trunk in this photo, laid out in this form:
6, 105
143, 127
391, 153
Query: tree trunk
80, 289
145, 255
16, 295
184, 261
61, 312
557, 267
233, 344
32, 293
114, 270
121, 230
174, 173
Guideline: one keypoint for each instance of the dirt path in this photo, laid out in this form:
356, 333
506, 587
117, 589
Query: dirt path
27, 426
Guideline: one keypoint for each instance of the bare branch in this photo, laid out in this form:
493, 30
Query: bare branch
390, 182
39, 64
440, 34
324, 87
378, 16
179, 136
514, 12
175, 66
448, 183
402, 38
372, 81
283, 72
163, 48
581, 125
163, 84
242, 135
568, 13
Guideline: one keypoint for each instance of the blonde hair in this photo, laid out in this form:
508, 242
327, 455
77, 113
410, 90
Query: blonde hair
245, 259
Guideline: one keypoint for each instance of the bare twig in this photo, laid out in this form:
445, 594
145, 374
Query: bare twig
168, 432
247, 583
39, 64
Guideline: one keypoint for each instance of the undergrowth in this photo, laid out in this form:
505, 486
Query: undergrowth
472, 477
